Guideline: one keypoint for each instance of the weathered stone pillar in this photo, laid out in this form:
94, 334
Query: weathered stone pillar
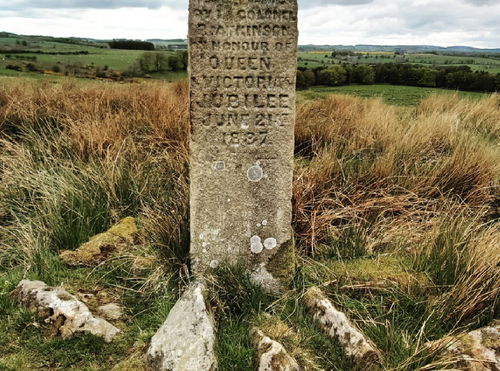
242, 76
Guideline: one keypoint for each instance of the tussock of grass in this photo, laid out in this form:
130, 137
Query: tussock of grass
462, 259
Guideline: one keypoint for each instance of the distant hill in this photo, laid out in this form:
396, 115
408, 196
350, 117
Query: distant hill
182, 43
172, 44
169, 41
405, 48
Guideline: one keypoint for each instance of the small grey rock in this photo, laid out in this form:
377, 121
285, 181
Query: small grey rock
112, 311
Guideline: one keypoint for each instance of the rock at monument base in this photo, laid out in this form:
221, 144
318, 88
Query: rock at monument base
335, 324
62, 309
103, 245
186, 340
477, 350
272, 356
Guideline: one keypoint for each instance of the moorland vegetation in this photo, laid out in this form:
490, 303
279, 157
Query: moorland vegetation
396, 213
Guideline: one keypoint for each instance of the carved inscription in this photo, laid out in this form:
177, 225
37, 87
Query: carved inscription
238, 71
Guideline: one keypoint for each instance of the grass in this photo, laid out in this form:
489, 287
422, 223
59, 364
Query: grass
391, 94
396, 215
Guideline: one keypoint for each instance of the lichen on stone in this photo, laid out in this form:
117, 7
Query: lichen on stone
478, 350
186, 340
336, 325
272, 356
65, 312
292, 341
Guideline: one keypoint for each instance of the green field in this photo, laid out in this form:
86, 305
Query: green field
324, 58
97, 56
392, 94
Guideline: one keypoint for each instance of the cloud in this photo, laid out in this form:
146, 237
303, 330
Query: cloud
80, 4
348, 22
305, 4
483, 2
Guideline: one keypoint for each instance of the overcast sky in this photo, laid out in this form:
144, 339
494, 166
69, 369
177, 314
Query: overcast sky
437, 22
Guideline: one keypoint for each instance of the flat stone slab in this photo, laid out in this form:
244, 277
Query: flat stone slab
62, 309
185, 342
272, 356
336, 324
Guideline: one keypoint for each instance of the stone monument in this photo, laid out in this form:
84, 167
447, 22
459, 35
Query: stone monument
243, 60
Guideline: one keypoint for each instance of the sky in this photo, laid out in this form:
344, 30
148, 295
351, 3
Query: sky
348, 22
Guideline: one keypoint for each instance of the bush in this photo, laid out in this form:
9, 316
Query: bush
31, 67
14, 67
131, 45
331, 76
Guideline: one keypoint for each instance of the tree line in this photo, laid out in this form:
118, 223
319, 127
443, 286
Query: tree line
131, 45
449, 77
151, 62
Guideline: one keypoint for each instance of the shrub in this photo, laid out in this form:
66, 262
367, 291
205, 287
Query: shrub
331, 76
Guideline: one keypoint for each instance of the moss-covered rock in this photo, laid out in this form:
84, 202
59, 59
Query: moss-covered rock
371, 273
282, 266
102, 246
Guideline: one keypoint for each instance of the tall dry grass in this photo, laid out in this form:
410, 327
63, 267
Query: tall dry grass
75, 158
360, 161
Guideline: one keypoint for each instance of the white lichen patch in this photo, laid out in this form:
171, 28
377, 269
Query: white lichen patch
271, 354
75, 315
187, 338
336, 324
219, 165
209, 235
263, 278
270, 243
245, 124
255, 173
256, 245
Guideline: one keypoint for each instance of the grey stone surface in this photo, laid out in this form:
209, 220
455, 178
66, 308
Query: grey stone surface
336, 325
242, 104
478, 350
111, 311
272, 356
186, 340
63, 310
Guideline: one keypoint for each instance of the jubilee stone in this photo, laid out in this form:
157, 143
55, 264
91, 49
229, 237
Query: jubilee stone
243, 56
